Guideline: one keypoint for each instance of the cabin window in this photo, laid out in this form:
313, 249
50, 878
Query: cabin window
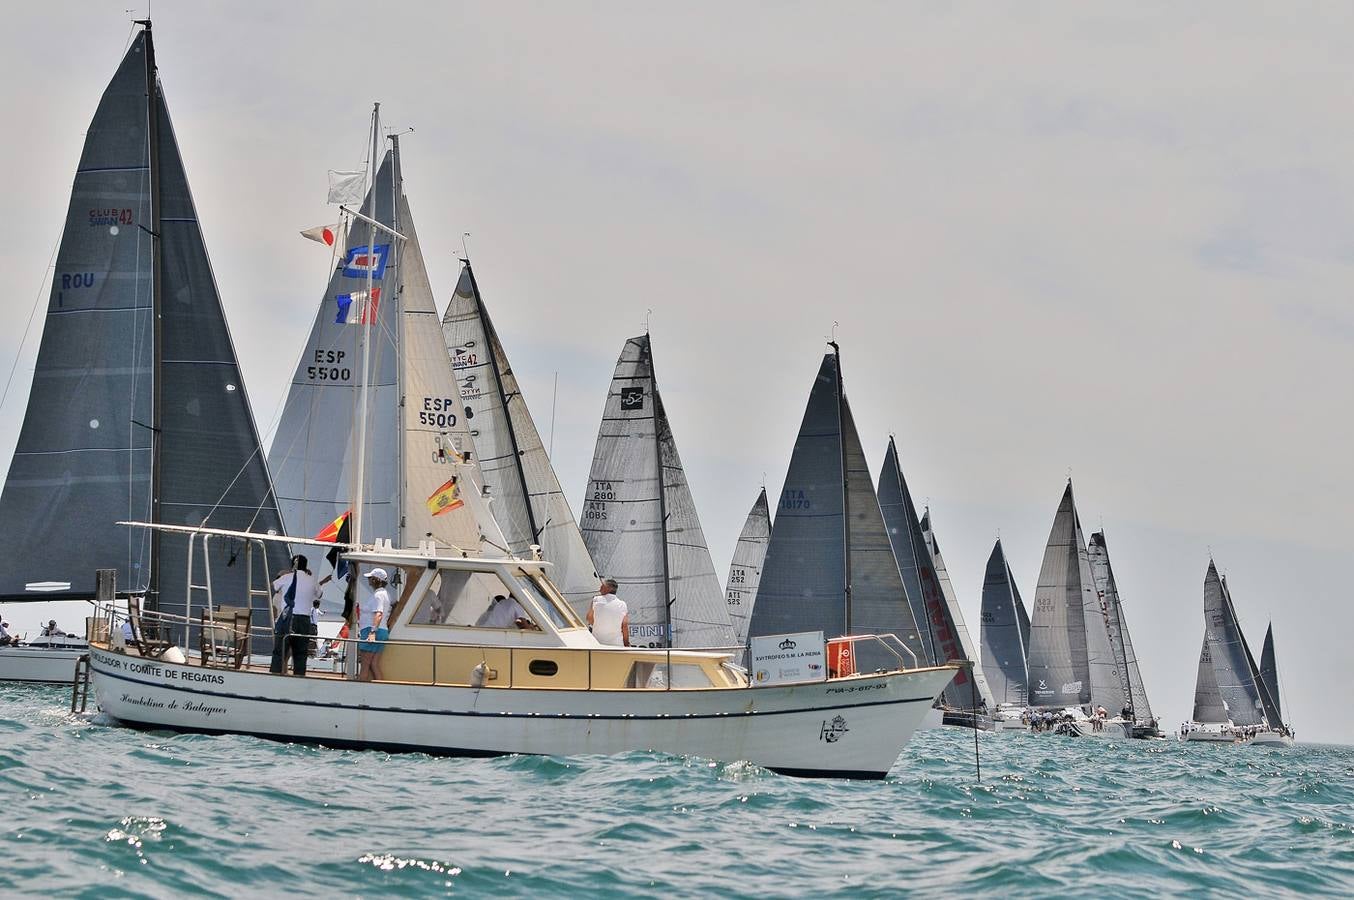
472, 600
543, 667
558, 611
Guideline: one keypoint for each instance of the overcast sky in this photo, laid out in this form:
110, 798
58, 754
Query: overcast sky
1055, 237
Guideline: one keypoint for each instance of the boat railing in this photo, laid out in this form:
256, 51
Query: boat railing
890, 643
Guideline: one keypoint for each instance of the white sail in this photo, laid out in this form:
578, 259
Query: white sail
640, 522
745, 572
966, 644
526, 498
421, 481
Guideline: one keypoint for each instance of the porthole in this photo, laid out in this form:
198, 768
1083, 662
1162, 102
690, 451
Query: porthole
543, 667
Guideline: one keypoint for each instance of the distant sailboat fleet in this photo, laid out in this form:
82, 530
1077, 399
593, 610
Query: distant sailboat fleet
406, 444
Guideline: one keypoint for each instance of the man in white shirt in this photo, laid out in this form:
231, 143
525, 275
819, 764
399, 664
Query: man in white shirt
609, 617
505, 612
293, 628
5, 637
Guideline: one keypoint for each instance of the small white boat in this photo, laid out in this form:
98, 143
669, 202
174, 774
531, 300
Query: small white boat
1010, 717
48, 660
452, 687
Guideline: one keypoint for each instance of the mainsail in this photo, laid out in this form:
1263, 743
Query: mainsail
1004, 633
956, 616
1208, 705
1120, 642
1236, 683
1059, 668
1269, 674
745, 572
829, 565
526, 498
420, 482
640, 523
138, 410
1268, 703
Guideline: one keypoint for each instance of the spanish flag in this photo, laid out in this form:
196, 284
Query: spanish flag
338, 532
445, 498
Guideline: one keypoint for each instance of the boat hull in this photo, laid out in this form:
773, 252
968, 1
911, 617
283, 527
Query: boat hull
39, 665
1271, 739
851, 728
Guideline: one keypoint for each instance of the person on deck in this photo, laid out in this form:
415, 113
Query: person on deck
50, 630
373, 631
298, 589
609, 617
505, 612
5, 637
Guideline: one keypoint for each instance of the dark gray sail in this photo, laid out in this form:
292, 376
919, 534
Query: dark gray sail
1268, 705
1208, 705
1058, 666
914, 562
1120, 641
830, 564
108, 380
1004, 632
1269, 674
1236, 683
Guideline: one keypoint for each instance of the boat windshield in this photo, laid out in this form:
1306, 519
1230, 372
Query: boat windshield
559, 612
472, 600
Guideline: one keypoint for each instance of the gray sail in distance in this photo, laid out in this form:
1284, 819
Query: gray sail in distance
1269, 674
1236, 683
830, 566
924, 595
1208, 705
745, 571
1120, 642
1004, 632
956, 614
1268, 705
417, 438
639, 519
1058, 666
107, 380
527, 500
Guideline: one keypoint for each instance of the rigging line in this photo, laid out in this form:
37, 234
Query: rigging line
18, 353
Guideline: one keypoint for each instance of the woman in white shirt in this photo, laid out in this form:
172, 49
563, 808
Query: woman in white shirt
373, 629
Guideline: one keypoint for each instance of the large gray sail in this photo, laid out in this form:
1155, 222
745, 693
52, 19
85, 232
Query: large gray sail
803, 585
1268, 706
83, 459
1120, 642
528, 502
956, 614
213, 470
1003, 633
745, 571
830, 564
107, 379
1208, 705
1269, 674
1236, 684
924, 595
1058, 670
640, 523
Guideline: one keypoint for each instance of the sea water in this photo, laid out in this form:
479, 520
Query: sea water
91, 809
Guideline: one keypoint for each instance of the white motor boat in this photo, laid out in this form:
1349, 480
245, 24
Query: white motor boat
48, 660
451, 687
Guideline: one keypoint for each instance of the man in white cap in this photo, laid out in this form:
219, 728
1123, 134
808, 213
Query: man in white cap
609, 617
373, 629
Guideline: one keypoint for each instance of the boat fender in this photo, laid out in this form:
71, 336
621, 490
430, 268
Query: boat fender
477, 675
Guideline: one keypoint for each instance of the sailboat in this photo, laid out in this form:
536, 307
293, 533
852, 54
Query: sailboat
455, 682
138, 408
961, 704
639, 519
1269, 680
1231, 702
1072, 668
1136, 708
1005, 641
526, 498
745, 571
830, 565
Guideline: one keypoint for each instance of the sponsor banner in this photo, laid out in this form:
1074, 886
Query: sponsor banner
788, 658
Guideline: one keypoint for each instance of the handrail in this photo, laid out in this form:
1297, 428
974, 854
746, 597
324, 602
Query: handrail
883, 641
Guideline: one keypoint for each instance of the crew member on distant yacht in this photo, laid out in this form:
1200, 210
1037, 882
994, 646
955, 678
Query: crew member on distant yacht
609, 617
5, 637
50, 630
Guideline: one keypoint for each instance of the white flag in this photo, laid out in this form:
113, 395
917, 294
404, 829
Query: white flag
324, 234
347, 188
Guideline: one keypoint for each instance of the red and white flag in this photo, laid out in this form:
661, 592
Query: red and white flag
324, 234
